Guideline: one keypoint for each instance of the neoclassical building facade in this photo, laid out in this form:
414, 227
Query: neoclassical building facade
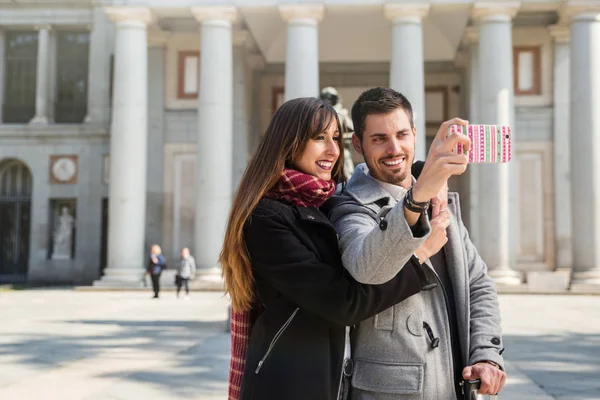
127, 123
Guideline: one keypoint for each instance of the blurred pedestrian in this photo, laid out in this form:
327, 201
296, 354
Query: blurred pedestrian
185, 272
156, 265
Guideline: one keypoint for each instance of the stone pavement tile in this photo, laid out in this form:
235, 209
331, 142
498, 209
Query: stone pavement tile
520, 387
198, 373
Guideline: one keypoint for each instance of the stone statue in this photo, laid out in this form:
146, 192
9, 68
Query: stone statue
331, 95
63, 236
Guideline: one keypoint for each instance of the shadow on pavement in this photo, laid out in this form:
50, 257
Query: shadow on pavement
565, 366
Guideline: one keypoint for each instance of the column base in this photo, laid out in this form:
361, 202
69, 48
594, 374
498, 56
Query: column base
39, 121
586, 282
121, 277
506, 277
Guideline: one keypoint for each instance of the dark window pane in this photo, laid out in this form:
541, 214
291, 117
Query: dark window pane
20, 78
72, 77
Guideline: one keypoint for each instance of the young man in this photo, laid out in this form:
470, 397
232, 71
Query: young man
423, 347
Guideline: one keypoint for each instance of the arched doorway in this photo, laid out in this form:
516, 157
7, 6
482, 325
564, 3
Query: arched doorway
15, 220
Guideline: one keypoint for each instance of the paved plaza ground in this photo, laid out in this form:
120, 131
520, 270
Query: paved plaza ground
65, 344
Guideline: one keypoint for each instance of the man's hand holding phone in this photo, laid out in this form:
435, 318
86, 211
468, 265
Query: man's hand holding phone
442, 162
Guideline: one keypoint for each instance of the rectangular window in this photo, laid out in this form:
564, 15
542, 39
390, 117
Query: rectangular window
20, 78
527, 70
436, 104
188, 69
72, 76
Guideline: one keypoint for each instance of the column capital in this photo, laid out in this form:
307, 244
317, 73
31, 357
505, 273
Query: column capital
406, 12
314, 12
225, 13
503, 11
141, 14
586, 10
560, 33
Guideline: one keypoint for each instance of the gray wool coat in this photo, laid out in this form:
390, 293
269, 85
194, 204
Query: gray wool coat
392, 353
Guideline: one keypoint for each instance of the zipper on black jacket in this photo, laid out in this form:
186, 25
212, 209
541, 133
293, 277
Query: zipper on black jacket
275, 339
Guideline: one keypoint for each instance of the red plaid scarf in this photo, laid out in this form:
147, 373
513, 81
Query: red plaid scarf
296, 188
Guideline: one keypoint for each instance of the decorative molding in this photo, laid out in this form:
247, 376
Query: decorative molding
501, 11
36, 17
225, 13
314, 12
140, 14
406, 12
536, 73
560, 33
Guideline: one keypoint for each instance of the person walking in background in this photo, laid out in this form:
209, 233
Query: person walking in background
185, 271
156, 265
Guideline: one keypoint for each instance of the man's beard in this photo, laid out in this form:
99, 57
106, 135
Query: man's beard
393, 177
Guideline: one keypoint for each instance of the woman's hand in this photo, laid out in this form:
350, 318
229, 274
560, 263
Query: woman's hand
437, 238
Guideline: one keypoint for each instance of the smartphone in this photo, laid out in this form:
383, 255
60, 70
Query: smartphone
489, 143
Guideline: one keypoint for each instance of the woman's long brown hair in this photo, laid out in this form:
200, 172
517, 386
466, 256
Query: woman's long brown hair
293, 125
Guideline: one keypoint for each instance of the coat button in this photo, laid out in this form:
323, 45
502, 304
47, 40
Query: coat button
496, 341
311, 217
383, 225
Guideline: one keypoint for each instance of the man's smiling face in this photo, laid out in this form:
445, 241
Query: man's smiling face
388, 147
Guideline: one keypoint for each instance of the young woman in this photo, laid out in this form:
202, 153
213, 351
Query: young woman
282, 264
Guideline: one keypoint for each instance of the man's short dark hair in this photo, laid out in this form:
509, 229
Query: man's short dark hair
378, 100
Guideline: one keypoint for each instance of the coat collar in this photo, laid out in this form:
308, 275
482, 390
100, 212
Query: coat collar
365, 189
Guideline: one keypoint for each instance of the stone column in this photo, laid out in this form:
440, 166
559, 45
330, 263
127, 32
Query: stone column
2, 70
240, 114
407, 74
585, 143
473, 116
127, 256
101, 44
562, 167
302, 50
496, 244
42, 88
215, 133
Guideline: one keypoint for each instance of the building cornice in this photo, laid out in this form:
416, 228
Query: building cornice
46, 16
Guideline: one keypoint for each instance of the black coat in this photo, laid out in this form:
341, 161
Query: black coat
297, 344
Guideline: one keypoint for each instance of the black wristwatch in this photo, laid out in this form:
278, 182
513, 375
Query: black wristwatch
415, 206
